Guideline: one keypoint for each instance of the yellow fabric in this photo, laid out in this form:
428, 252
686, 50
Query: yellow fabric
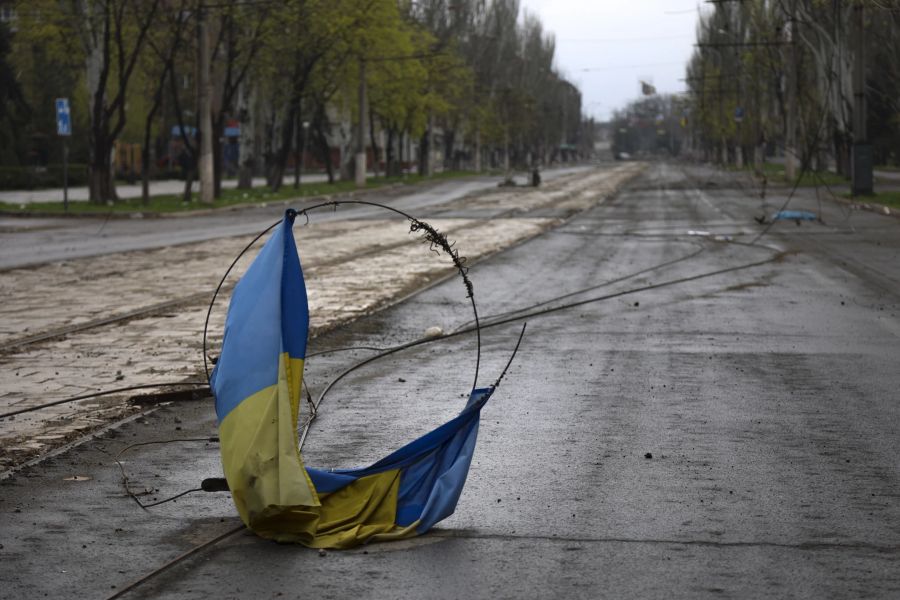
361, 512
258, 440
271, 489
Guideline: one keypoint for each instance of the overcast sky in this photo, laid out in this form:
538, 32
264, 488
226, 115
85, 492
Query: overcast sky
606, 46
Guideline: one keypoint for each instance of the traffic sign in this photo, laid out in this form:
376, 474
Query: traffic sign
63, 117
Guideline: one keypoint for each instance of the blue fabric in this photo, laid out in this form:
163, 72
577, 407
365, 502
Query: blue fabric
794, 215
256, 325
433, 468
327, 482
294, 305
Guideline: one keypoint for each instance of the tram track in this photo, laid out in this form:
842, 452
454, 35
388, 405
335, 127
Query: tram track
59, 332
197, 298
53, 333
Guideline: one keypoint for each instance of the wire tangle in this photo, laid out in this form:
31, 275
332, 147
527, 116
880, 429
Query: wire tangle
438, 241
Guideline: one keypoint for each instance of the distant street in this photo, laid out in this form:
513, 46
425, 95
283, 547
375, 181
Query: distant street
696, 411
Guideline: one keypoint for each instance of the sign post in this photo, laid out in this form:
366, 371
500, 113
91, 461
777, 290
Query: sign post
64, 130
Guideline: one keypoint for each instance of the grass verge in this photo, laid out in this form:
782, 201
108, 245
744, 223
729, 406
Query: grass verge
891, 199
173, 203
775, 174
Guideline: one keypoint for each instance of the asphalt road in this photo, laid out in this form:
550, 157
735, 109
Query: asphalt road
730, 431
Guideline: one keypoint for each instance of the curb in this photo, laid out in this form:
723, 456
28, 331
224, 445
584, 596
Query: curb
210, 211
198, 212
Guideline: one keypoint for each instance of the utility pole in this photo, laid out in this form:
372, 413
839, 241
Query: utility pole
204, 100
361, 131
862, 150
790, 143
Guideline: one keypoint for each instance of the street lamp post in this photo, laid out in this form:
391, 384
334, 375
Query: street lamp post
861, 172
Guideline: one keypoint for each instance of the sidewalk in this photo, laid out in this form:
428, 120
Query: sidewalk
157, 188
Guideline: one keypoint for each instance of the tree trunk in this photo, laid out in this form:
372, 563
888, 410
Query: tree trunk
249, 145
423, 154
320, 141
376, 151
390, 167
276, 178
148, 132
218, 128
101, 179
401, 142
449, 143
478, 150
145, 171
188, 184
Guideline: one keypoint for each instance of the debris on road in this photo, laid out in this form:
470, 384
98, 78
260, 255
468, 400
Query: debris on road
788, 215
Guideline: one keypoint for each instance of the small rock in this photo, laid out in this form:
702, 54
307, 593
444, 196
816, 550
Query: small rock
886, 210
401, 380
323, 553
648, 455
637, 303
433, 331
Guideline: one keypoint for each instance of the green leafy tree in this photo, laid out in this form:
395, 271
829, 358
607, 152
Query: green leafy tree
108, 36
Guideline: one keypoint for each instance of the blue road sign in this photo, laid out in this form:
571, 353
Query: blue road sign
63, 117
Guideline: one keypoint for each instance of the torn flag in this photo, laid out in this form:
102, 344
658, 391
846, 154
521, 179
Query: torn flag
256, 383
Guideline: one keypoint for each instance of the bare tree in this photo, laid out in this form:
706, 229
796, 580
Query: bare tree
113, 33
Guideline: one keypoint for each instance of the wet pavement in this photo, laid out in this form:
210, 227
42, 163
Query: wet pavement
724, 425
